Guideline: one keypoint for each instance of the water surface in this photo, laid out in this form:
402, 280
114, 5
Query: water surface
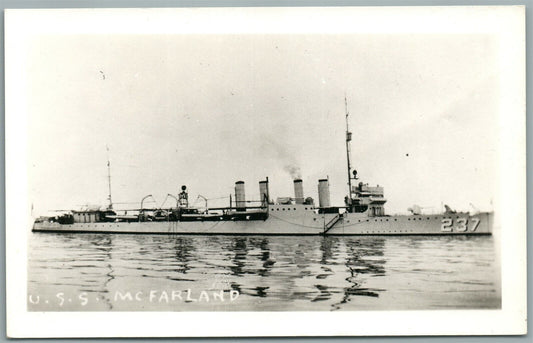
123, 272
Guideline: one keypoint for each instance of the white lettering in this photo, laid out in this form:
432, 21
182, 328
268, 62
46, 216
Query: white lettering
189, 296
126, 296
152, 295
83, 298
175, 295
60, 297
219, 295
233, 294
34, 301
164, 296
203, 294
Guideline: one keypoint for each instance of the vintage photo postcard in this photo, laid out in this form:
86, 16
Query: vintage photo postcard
265, 171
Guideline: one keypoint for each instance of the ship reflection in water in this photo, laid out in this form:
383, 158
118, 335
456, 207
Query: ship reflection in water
95, 272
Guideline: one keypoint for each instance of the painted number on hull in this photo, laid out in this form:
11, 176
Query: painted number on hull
447, 224
461, 224
476, 223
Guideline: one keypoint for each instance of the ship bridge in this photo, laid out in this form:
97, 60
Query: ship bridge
366, 198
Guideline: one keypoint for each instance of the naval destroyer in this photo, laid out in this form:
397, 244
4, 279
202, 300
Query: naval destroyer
363, 213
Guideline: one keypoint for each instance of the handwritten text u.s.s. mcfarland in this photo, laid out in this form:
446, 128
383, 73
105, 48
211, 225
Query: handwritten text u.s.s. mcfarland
152, 296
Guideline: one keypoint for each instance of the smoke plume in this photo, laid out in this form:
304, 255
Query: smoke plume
280, 148
293, 170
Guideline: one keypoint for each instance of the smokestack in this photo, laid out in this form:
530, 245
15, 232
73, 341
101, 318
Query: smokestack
298, 191
323, 193
240, 198
263, 192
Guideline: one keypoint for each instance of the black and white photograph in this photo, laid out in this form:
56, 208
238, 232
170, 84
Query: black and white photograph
252, 163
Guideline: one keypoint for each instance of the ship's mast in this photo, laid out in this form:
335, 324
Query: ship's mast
110, 206
348, 139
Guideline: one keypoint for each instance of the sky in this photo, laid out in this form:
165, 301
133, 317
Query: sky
207, 110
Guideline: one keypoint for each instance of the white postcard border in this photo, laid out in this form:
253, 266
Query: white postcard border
508, 23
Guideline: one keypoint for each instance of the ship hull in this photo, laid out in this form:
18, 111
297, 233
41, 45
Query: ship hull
297, 222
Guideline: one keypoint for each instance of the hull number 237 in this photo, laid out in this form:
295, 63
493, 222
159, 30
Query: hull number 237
459, 225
